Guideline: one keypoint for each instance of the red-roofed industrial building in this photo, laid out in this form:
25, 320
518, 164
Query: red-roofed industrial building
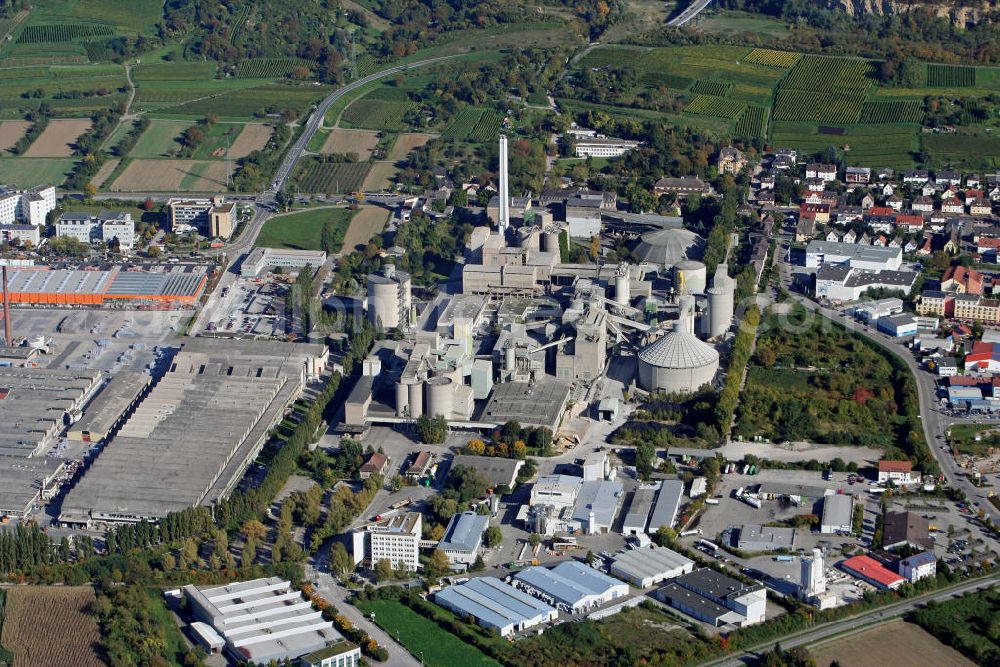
868, 569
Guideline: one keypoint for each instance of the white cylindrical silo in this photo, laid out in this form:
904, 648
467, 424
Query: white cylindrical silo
416, 391
402, 399
440, 397
721, 305
622, 290
690, 277
508, 358
686, 314
550, 242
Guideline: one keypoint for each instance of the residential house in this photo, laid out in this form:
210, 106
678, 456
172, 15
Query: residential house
918, 566
825, 172
924, 204
962, 280
377, 464
820, 211
952, 205
946, 178
857, 175
916, 176
680, 187
981, 207
731, 160
895, 202
900, 473
867, 201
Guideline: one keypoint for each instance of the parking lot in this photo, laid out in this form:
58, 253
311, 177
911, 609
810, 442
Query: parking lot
252, 307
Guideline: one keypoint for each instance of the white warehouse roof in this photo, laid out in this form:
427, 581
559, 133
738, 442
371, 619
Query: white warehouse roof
571, 582
655, 564
495, 604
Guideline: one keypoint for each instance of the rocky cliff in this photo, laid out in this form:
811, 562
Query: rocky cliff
960, 13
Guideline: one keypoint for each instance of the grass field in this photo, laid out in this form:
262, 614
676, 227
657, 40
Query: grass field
29, 172
895, 644
253, 137
33, 615
362, 142
423, 637
303, 230
976, 151
159, 139
380, 177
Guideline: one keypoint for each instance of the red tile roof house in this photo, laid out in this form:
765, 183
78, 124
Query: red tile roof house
899, 472
376, 464
962, 279
870, 570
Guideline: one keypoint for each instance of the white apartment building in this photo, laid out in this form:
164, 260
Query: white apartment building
604, 147
21, 234
26, 206
106, 227
396, 539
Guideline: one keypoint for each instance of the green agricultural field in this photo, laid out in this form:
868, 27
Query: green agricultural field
174, 71
331, 177
129, 16
423, 637
870, 146
249, 103
29, 172
707, 105
159, 139
834, 74
951, 76
968, 150
612, 56
463, 124
821, 107
267, 68
716, 88
903, 111
303, 230
752, 123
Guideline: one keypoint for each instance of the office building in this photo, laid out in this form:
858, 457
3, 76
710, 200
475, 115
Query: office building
106, 227
396, 539
260, 259
30, 206
463, 538
213, 217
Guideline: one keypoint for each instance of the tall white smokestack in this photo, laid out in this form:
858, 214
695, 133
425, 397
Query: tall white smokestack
504, 220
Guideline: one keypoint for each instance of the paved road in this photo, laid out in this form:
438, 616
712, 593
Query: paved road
693, 10
316, 119
935, 423
338, 595
851, 625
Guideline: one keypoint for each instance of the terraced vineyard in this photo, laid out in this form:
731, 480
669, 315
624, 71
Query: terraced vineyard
951, 76
880, 111
613, 56
61, 32
769, 58
266, 68
752, 123
370, 114
708, 105
488, 126
717, 88
830, 74
657, 79
816, 106
333, 177
463, 124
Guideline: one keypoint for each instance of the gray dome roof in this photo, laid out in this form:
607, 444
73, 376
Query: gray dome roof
669, 246
679, 349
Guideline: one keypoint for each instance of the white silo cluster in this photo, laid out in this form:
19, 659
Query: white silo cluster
690, 277
677, 362
721, 304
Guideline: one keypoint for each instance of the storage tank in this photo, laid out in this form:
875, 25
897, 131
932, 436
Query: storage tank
550, 241
383, 301
690, 276
677, 363
622, 289
721, 304
402, 399
686, 314
416, 391
440, 393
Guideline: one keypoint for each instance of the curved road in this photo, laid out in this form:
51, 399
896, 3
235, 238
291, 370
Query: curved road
316, 119
692, 10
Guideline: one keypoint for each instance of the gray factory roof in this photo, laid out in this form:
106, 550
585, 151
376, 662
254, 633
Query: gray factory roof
106, 409
717, 585
174, 281
497, 470
179, 282
189, 440
838, 510
801, 490
639, 508
856, 250
493, 602
569, 582
702, 605
464, 532
666, 247
33, 403
776, 537
652, 562
679, 349
601, 498
21, 479
538, 404
668, 500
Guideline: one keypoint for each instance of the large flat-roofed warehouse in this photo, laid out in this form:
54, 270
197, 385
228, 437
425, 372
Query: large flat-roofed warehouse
35, 404
262, 620
495, 605
571, 586
647, 567
190, 440
755, 537
105, 412
175, 286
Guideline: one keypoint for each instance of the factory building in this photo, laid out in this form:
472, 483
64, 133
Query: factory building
668, 501
261, 259
868, 569
389, 298
164, 287
463, 538
500, 472
105, 412
838, 514
637, 517
755, 537
396, 539
259, 621
570, 586
647, 567
690, 277
677, 362
495, 605
855, 255
596, 506
715, 598
668, 247
190, 440
559, 491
